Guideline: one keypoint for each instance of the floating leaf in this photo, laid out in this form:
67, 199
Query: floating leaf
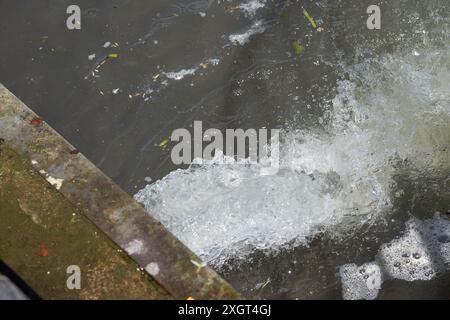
310, 19
204, 65
298, 48
164, 144
113, 55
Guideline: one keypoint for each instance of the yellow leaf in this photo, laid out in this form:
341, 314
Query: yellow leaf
310, 19
164, 144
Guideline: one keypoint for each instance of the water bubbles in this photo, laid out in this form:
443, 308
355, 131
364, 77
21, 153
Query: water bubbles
360, 286
418, 254
444, 238
430, 273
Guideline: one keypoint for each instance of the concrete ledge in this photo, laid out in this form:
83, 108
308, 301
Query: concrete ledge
113, 211
42, 234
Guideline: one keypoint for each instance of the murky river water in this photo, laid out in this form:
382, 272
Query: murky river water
364, 116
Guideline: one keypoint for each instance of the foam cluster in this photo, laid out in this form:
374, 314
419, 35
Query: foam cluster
422, 252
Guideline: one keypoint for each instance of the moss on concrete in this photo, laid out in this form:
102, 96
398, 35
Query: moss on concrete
33, 215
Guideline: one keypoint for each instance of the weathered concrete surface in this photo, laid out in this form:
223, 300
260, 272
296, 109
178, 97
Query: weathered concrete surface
41, 234
145, 240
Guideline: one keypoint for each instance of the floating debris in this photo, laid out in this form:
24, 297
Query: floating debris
92, 57
164, 144
44, 38
310, 19
131, 96
99, 63
116, 91
297, 46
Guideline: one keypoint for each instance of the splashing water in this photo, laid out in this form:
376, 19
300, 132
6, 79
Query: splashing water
395, 108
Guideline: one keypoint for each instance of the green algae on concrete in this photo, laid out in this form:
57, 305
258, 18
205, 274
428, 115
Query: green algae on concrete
112, 210
33, 216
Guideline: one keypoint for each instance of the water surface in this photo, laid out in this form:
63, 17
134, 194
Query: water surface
364, 114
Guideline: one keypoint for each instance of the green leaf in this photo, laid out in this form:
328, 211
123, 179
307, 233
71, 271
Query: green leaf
310, 19
297, 46
164, 144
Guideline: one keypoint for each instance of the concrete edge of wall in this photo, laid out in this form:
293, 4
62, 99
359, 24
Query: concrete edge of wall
119, 216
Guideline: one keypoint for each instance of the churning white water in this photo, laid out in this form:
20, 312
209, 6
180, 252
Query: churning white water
392, 108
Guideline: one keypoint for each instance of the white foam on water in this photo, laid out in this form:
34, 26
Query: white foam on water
179, 75
242, 38
421, 253
361, 283
251, 7
395, 107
